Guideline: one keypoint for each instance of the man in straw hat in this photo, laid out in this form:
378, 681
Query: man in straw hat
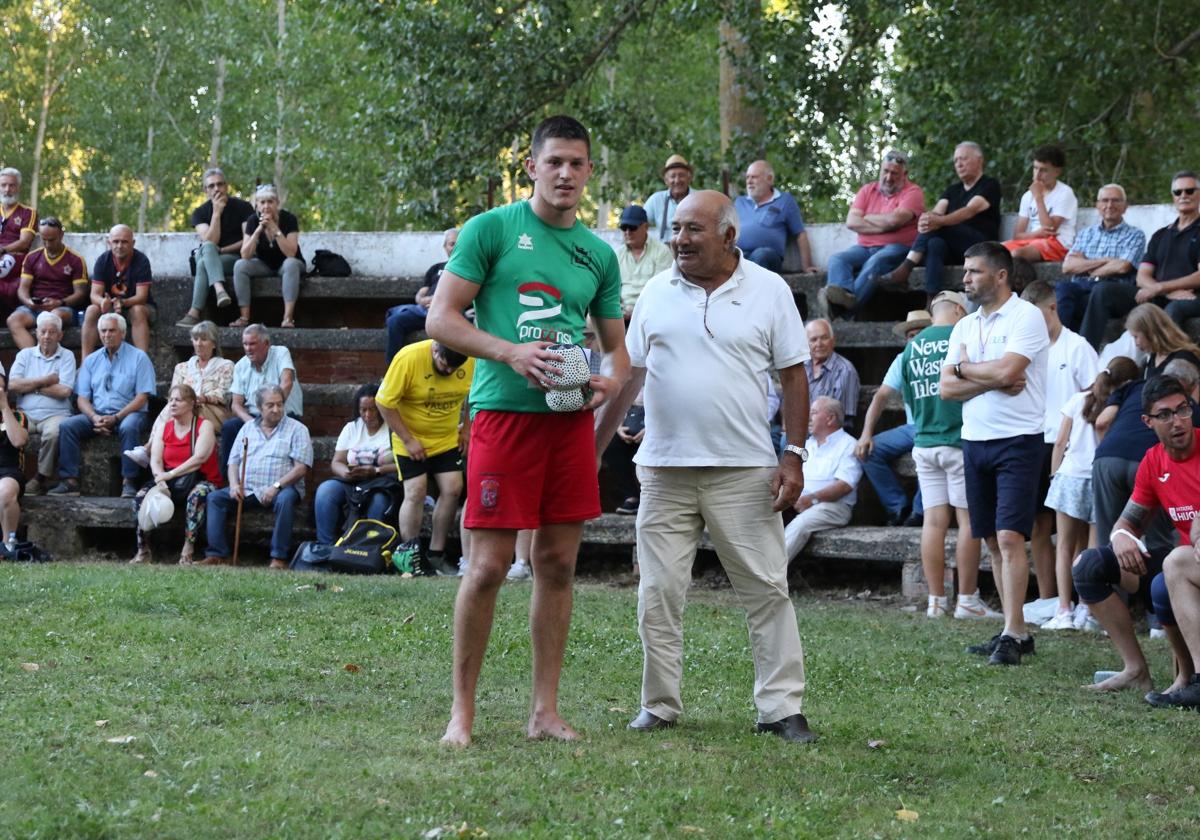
677, 175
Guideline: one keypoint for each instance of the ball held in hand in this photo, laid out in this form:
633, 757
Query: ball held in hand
572, 372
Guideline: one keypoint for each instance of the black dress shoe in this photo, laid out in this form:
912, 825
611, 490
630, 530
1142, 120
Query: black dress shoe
648, 722
791, 728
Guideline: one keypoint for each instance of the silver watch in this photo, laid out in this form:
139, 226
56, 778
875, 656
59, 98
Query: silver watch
799, 451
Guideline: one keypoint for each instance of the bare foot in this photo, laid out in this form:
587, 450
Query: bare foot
457, 734
1122, 680
550, 725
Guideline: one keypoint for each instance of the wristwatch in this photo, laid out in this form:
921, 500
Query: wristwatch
277, 486
799, 451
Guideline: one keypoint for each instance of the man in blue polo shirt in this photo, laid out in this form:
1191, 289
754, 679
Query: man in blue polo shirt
768, 218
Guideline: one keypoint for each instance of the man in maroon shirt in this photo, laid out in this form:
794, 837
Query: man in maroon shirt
53, 279
16, 235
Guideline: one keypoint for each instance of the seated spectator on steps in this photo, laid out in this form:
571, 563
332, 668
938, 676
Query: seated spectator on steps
278, 456
619, 457
113, 387
53, 279
362, 466
831, 475
270, 248
410, 317
263, 364
830, 374
677, 174
1104, 255
877, 452
1157, 335
884, 215
17, 229
768, 219
183, 461
121, 281
968, 212
640, 256
40, 383
1166, 480
14, 434
218, 222
1045, 227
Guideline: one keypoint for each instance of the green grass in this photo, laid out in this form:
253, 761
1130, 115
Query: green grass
233, 683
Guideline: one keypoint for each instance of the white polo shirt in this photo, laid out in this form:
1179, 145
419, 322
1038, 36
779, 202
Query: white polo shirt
1071, 366
1016, 327
832, 461
706, 393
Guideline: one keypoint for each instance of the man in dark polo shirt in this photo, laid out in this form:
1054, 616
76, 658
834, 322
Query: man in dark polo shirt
121, 279
53, 279
410, 317
1168, 272
218, 222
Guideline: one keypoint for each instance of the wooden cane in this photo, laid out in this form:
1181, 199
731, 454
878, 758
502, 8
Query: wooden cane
237, 527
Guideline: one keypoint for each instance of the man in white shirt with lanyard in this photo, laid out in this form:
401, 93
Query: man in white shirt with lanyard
996, 367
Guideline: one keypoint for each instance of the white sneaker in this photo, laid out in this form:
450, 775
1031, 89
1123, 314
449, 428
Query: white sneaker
972, 606
1041, 610
520, 571
1084, 621
139, 455
462, 566
1065, 620
1158, 633
937, 607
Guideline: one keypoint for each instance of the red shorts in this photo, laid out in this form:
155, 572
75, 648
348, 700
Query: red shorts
526, 470
1048, 246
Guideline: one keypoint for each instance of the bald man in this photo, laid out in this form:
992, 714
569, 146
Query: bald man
768, 218
121, 280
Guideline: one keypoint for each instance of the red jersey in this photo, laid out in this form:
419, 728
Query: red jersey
1172, 485
19, 220
178, 448
54, 278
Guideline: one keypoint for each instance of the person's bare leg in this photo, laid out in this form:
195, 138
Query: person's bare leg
450, 485
1042, 550
1072, 539
525, 543
89, 337
19, 324
1014, 581
289, 312
141, 328
1183, 582
10, 507
491, 553
1114, 617
1182, 657
933, 548
1029, 253
412, 509
553, 554
966, 555
998, 572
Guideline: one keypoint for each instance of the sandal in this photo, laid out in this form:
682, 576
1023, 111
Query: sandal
240, 322
288, 324
223, 299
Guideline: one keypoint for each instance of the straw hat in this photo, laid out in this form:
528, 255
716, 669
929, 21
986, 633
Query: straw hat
918, 319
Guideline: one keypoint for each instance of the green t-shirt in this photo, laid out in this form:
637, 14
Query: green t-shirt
536, 283
938, 421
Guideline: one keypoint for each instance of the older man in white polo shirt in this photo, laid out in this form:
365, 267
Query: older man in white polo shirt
702, 338
996, 367
831, 476
41, 379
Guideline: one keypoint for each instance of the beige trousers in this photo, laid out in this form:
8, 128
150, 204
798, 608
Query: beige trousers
735, 504
48, 448
820, 517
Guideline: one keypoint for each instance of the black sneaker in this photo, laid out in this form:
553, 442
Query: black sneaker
440, 565
1007, 652
1025, 646
629, 506
1187, 697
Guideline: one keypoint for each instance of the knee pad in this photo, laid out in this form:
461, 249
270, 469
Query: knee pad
1095, 574
1161, 599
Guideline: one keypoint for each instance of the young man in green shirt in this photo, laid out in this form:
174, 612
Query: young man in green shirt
533, 273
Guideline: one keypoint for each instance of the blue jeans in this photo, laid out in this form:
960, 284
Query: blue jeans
869, 263
889, 446
1072, 295
768, 258
402, 320
944, 244
220, 503
329, 505
78, 428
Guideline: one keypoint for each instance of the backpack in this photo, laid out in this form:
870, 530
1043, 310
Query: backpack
360, 494
365, 549
329, 264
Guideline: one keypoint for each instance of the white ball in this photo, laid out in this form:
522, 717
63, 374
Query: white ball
572, 400
572, 372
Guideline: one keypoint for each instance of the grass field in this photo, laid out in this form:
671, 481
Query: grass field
262, 706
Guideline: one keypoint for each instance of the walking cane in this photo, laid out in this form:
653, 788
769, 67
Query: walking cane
237, 527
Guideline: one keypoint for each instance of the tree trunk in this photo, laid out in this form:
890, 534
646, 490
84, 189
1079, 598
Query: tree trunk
144, 203
214, 145
737, 118
39, 142
281, 31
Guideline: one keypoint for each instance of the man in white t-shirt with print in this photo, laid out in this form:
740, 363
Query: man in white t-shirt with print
996, 367
702, 338
1045, 227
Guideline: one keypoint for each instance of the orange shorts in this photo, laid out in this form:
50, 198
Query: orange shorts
1048, 246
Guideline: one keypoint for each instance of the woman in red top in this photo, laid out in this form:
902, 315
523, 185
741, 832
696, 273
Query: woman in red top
183, 458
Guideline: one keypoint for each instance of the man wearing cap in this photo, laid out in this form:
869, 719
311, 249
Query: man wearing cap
639, 255
878, 452
16, 235
884, 215
768, 218
660, 208
54, 279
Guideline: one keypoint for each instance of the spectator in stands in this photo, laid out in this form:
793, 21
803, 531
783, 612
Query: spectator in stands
878, 452
830, 374
660, 207
967, 213
831, 474
884, 215
208, 374
263, 364
183, 461
16, 235
421, 401
1104, 255
937, 452
121, 280
218, 222
1045, 227
410, 317
997, 370
707, 458
14, 434
270, 248
362, 466
1071, 367
640, 256
42, 380
114, 385
1170, 271
278, 456
1155, 334
769, 219
53, 279
1166, 481
1071, 494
